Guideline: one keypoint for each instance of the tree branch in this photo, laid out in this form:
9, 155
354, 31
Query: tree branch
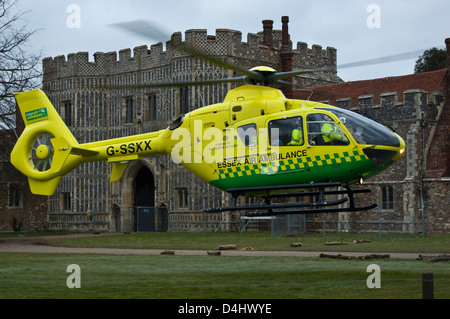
19, 70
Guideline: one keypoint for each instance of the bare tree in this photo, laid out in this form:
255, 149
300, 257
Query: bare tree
19, 70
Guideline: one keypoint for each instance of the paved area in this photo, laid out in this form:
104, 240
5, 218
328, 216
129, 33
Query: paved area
39, 245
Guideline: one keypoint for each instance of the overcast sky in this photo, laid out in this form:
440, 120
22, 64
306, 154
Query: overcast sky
358, 29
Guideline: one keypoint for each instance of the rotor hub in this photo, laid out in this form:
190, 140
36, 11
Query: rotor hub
263, 69
42, 152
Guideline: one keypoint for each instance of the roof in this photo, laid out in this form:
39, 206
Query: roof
428, 81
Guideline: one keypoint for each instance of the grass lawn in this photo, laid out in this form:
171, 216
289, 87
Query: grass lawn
264, 241
213, 277
29, 276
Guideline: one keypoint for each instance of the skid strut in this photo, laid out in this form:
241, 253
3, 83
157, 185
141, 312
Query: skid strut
317, 191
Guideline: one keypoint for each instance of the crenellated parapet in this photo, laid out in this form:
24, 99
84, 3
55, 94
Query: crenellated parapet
225, 43
388, 107
314, 57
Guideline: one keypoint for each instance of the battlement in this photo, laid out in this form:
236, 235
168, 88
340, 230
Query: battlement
225, 43
414, 104
315, 53
390, 99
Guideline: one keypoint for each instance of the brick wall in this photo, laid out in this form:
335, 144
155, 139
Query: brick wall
32, 210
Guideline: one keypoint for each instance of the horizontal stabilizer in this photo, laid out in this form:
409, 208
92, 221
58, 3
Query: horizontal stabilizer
83, 151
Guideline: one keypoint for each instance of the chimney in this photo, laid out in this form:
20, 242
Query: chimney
285, 37
286, 55
267, 33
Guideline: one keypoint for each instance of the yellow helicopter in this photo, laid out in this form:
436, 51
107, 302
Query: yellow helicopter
256, 142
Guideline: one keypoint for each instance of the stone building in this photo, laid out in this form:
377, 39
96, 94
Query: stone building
417, 107
155, 194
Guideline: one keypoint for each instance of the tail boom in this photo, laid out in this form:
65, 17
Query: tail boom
47, 150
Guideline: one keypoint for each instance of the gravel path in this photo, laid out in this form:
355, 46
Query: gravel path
39, 245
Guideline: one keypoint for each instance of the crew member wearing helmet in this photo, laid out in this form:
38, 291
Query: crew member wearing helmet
331, 135
297, 133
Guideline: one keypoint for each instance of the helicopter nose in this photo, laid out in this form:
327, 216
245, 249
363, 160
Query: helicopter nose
381, 156
401, 149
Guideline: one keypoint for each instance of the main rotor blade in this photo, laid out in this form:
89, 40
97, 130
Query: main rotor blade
380, 60
149, 30
283, 75
204, 56
143, 28
178, 84
385, 59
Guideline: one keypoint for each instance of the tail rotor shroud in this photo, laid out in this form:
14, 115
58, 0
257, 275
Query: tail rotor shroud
42, 152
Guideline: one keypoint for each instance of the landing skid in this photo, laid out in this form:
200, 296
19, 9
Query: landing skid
318, 191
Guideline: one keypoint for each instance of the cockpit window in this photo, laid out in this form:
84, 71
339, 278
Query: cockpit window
286, 132
364, 130
323, 130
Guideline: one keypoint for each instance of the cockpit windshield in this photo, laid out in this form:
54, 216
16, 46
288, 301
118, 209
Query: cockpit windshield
364, 130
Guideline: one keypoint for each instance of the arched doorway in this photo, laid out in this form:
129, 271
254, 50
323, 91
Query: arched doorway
144, 201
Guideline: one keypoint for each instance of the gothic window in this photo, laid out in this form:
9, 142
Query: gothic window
181, 197
66, 112
152, 112
387, 198
66, 202
184, 100
128, 110
14, 196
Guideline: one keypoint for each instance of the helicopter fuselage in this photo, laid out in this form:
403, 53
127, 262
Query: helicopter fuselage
252, 144
255, 137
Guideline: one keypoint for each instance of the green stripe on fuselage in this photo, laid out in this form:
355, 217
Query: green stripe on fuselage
344, 167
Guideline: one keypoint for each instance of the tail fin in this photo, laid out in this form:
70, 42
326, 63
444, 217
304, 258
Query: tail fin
42, 151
